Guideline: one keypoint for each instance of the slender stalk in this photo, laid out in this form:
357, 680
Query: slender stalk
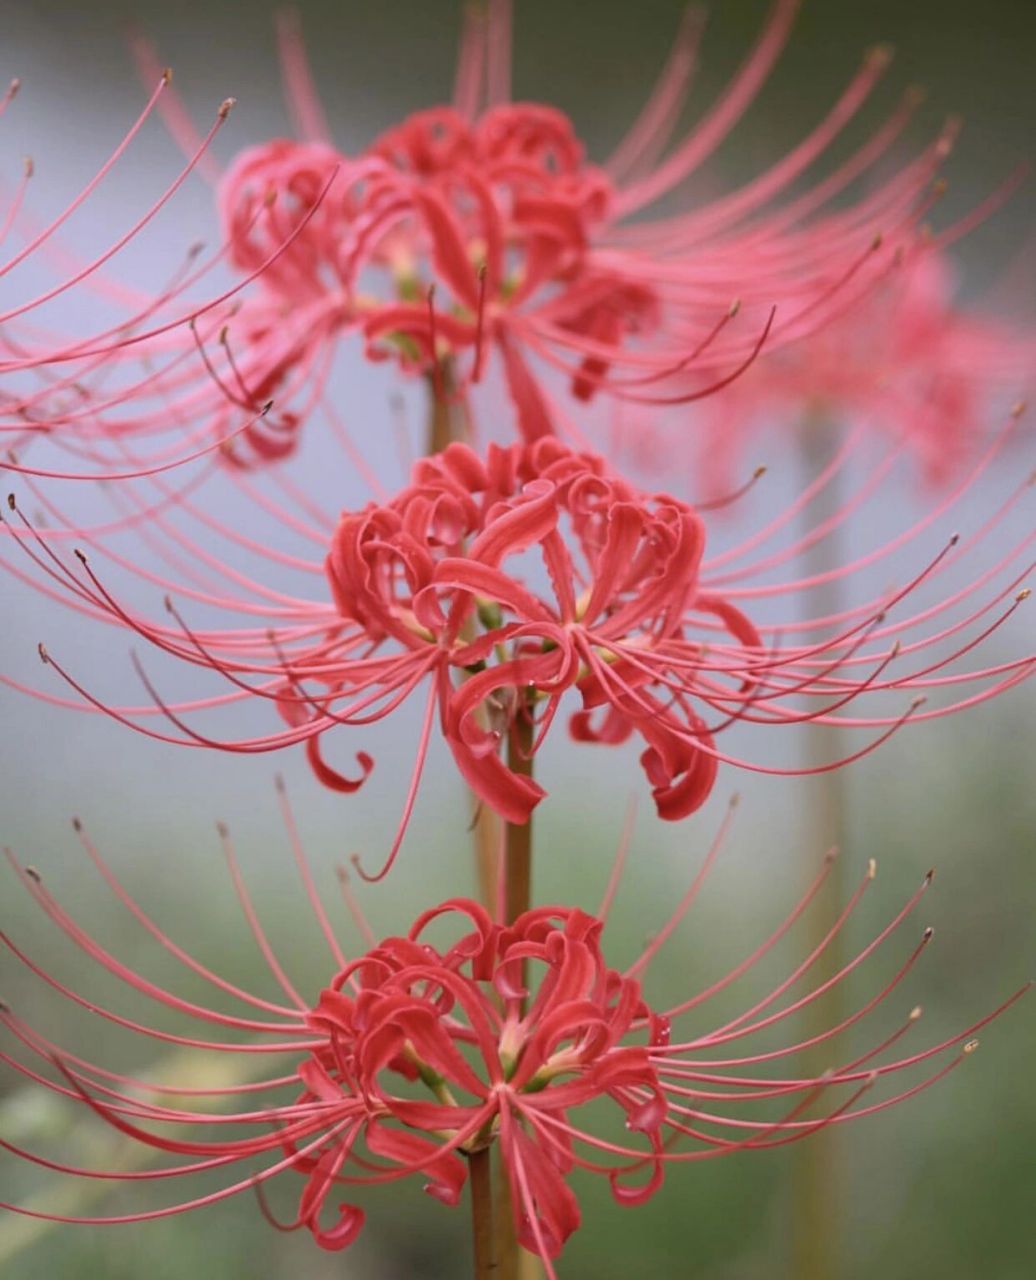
448, 418
494, 1246
497, 1255
485, 834
440, 421
448, 421
504, 1236
817, 1169
513, 1262
480, 1177
529, 1266
518, 839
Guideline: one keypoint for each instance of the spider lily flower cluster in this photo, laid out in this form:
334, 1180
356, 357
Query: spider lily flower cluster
431, 572
419, 1052
468, 230
905, 360
503, 582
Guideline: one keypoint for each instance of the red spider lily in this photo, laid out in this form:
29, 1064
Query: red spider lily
906, 359
473, 229
428, 572
419, 1053
501, 584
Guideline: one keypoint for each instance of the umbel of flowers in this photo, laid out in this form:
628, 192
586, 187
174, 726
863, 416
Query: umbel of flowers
505, 582
428, 1049
470, 234
907, 362
434, 572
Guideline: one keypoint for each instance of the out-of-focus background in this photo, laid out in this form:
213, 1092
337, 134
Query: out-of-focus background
942, 1186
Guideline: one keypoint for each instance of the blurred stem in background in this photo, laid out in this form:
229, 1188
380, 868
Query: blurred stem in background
817, 1175
485, 830
448, 418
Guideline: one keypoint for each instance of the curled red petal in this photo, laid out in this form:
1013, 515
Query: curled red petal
331, 777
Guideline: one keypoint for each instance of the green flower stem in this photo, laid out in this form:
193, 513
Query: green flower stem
480, 1177
513, 1263
817, 1169
518, 839
448, 421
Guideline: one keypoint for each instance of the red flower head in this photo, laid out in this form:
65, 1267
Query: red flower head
435, 572
469, 232
264, 201
501, 213
482, 225
906, 360
507, 583
421, 1053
